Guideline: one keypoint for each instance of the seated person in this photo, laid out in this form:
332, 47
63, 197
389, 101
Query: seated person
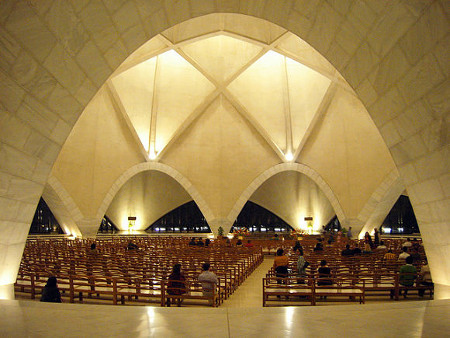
425, 277
280, 264
94, 250
239, 243
249, 244
209, 281
381, 246
404, 254
132, 246
407, 244
192, 242
318, 247
207, 242
176, 284
415, 256
415, 244
200, 242
407, 274
367, 248
347, 251
50, 292
357, 251
389, 256
275, 237
297, 246
324, 272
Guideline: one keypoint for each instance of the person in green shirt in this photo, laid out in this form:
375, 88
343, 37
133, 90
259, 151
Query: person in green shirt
407, 274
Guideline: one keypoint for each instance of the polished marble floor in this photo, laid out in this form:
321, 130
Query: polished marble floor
242, 315
407, 319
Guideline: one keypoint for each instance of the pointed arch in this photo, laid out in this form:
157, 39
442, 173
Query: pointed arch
301, 168
146, 166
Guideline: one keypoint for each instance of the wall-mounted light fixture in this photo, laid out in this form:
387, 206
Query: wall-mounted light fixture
131, 222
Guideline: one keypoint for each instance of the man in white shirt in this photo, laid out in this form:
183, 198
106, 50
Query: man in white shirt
407, 244
209, 281
404, 254
381, 246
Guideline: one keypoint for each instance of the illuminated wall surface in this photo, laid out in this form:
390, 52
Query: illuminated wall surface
95, 93
221, 105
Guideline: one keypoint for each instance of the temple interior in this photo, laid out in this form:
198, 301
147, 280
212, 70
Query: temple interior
126, 110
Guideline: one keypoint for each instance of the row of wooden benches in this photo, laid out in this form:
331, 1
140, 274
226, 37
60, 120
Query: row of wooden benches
135, 268
76, 289
281, 290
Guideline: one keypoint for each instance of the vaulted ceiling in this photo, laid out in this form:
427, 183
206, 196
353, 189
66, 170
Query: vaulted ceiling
221, 100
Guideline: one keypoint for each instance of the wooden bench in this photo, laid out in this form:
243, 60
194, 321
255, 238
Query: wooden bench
192, 291
291, 289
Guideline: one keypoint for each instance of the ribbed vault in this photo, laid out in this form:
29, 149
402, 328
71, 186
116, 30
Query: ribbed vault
222, 103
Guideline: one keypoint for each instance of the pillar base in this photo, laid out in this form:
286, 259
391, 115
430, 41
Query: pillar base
441, 291
7, 291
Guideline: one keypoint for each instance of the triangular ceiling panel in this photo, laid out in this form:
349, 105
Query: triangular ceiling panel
306, 91
292, 45
245, 155
135, 90
180, 89
149, 49
260, 89
221, 56
252, 28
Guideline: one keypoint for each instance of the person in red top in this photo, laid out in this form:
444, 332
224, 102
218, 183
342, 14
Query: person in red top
249, 244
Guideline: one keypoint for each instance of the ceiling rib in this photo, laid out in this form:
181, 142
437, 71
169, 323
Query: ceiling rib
246, 114
335, 77
120, 110
141, 59
318, 116
189, 120
287, 111
221, 88
154, 112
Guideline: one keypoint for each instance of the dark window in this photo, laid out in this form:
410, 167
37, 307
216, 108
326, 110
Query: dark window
107, 226
259, 220
401, 218
333, 224
185, 218
43, 221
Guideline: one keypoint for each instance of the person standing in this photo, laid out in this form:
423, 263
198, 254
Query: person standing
349, 233
302, 264
376, 240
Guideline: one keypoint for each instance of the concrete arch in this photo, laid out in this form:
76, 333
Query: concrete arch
289, 166
393, 54
146, 166
63, 206
380, 203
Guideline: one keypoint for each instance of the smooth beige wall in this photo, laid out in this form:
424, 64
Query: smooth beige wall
147, 196
293, 196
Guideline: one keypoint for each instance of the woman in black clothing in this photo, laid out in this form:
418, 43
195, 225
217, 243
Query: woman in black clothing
324, 272
50, 292
176, 284
297, 246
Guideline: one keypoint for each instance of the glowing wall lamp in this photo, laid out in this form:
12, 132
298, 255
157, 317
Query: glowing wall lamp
309, 221
131, 222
